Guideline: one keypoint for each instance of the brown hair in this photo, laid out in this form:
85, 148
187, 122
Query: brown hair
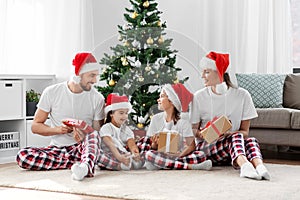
228, 81
108, 117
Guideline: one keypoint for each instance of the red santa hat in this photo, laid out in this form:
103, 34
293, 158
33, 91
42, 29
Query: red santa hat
216, 61
179, 96
85, 62
114, 102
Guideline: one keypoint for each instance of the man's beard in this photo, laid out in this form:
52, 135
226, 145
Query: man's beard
85, 87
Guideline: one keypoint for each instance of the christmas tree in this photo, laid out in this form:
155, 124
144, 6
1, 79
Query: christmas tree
142, 62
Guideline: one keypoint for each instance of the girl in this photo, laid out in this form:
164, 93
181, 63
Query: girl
173, 100
220, 97
118, 145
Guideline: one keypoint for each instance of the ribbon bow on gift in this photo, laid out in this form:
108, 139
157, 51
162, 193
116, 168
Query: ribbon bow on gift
211, 123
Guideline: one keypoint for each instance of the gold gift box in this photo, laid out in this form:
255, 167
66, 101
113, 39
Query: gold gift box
168, 142
217, 128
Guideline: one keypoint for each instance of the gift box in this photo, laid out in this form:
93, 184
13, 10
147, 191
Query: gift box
168, 142
215, 128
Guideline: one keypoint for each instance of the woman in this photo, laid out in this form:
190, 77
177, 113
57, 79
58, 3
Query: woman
220, 97
172, 101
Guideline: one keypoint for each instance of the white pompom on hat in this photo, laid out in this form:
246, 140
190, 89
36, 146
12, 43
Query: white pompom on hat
115, 102
178, 95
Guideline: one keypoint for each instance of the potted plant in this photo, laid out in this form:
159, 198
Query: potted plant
32, 98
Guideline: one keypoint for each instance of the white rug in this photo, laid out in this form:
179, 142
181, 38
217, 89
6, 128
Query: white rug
220, 183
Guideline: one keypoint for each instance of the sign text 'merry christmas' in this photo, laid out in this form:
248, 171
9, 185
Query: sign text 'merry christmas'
8, 136
8, 141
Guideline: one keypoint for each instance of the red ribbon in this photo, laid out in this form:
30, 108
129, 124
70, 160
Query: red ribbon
211, 123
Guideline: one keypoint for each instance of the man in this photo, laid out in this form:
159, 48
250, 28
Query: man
75, 146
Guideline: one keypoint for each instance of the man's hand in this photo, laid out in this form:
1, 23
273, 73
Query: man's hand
79, 136
63, 129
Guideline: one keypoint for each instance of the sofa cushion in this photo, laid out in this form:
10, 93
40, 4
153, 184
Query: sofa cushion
291, 92
266, 89
295, 119
272, 118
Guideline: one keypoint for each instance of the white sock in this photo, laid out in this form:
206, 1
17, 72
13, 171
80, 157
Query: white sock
248, 171
150, 166
206, 165
263, 172
137, 164
79, 171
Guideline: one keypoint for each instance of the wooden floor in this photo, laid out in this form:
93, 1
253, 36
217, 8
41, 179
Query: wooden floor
292, 157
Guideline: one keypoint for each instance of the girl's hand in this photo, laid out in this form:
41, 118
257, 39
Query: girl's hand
155, 139
198, 134
173, 155
124, 158
79, 136
136, 155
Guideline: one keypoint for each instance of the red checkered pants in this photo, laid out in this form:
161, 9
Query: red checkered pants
226, 149
108, 161
53, 157
164, 161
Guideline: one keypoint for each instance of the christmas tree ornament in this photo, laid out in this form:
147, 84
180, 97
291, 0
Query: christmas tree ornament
134, 15
160, 40
140, 125
126, 44
111, 83
120, 38
104, 70
148, 68
159, 23
176, 80
141, 79
125, 63
161, 61
125, 27
123, 59
150, 40
146, 4
135, 43
138, 64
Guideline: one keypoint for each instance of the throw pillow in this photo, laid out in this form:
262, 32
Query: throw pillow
291, 95
266, 89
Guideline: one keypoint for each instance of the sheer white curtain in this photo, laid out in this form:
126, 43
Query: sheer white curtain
256, 33
42, 37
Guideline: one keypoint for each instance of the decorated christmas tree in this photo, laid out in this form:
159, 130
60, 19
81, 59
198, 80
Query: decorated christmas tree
142, 62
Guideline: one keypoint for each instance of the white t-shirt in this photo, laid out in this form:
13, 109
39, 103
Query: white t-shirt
158, 123
61, 103
236, 104
118, 135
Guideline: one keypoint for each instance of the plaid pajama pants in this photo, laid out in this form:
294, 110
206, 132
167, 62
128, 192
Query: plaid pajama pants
53, 157
164, 161
108, 161
227, 148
